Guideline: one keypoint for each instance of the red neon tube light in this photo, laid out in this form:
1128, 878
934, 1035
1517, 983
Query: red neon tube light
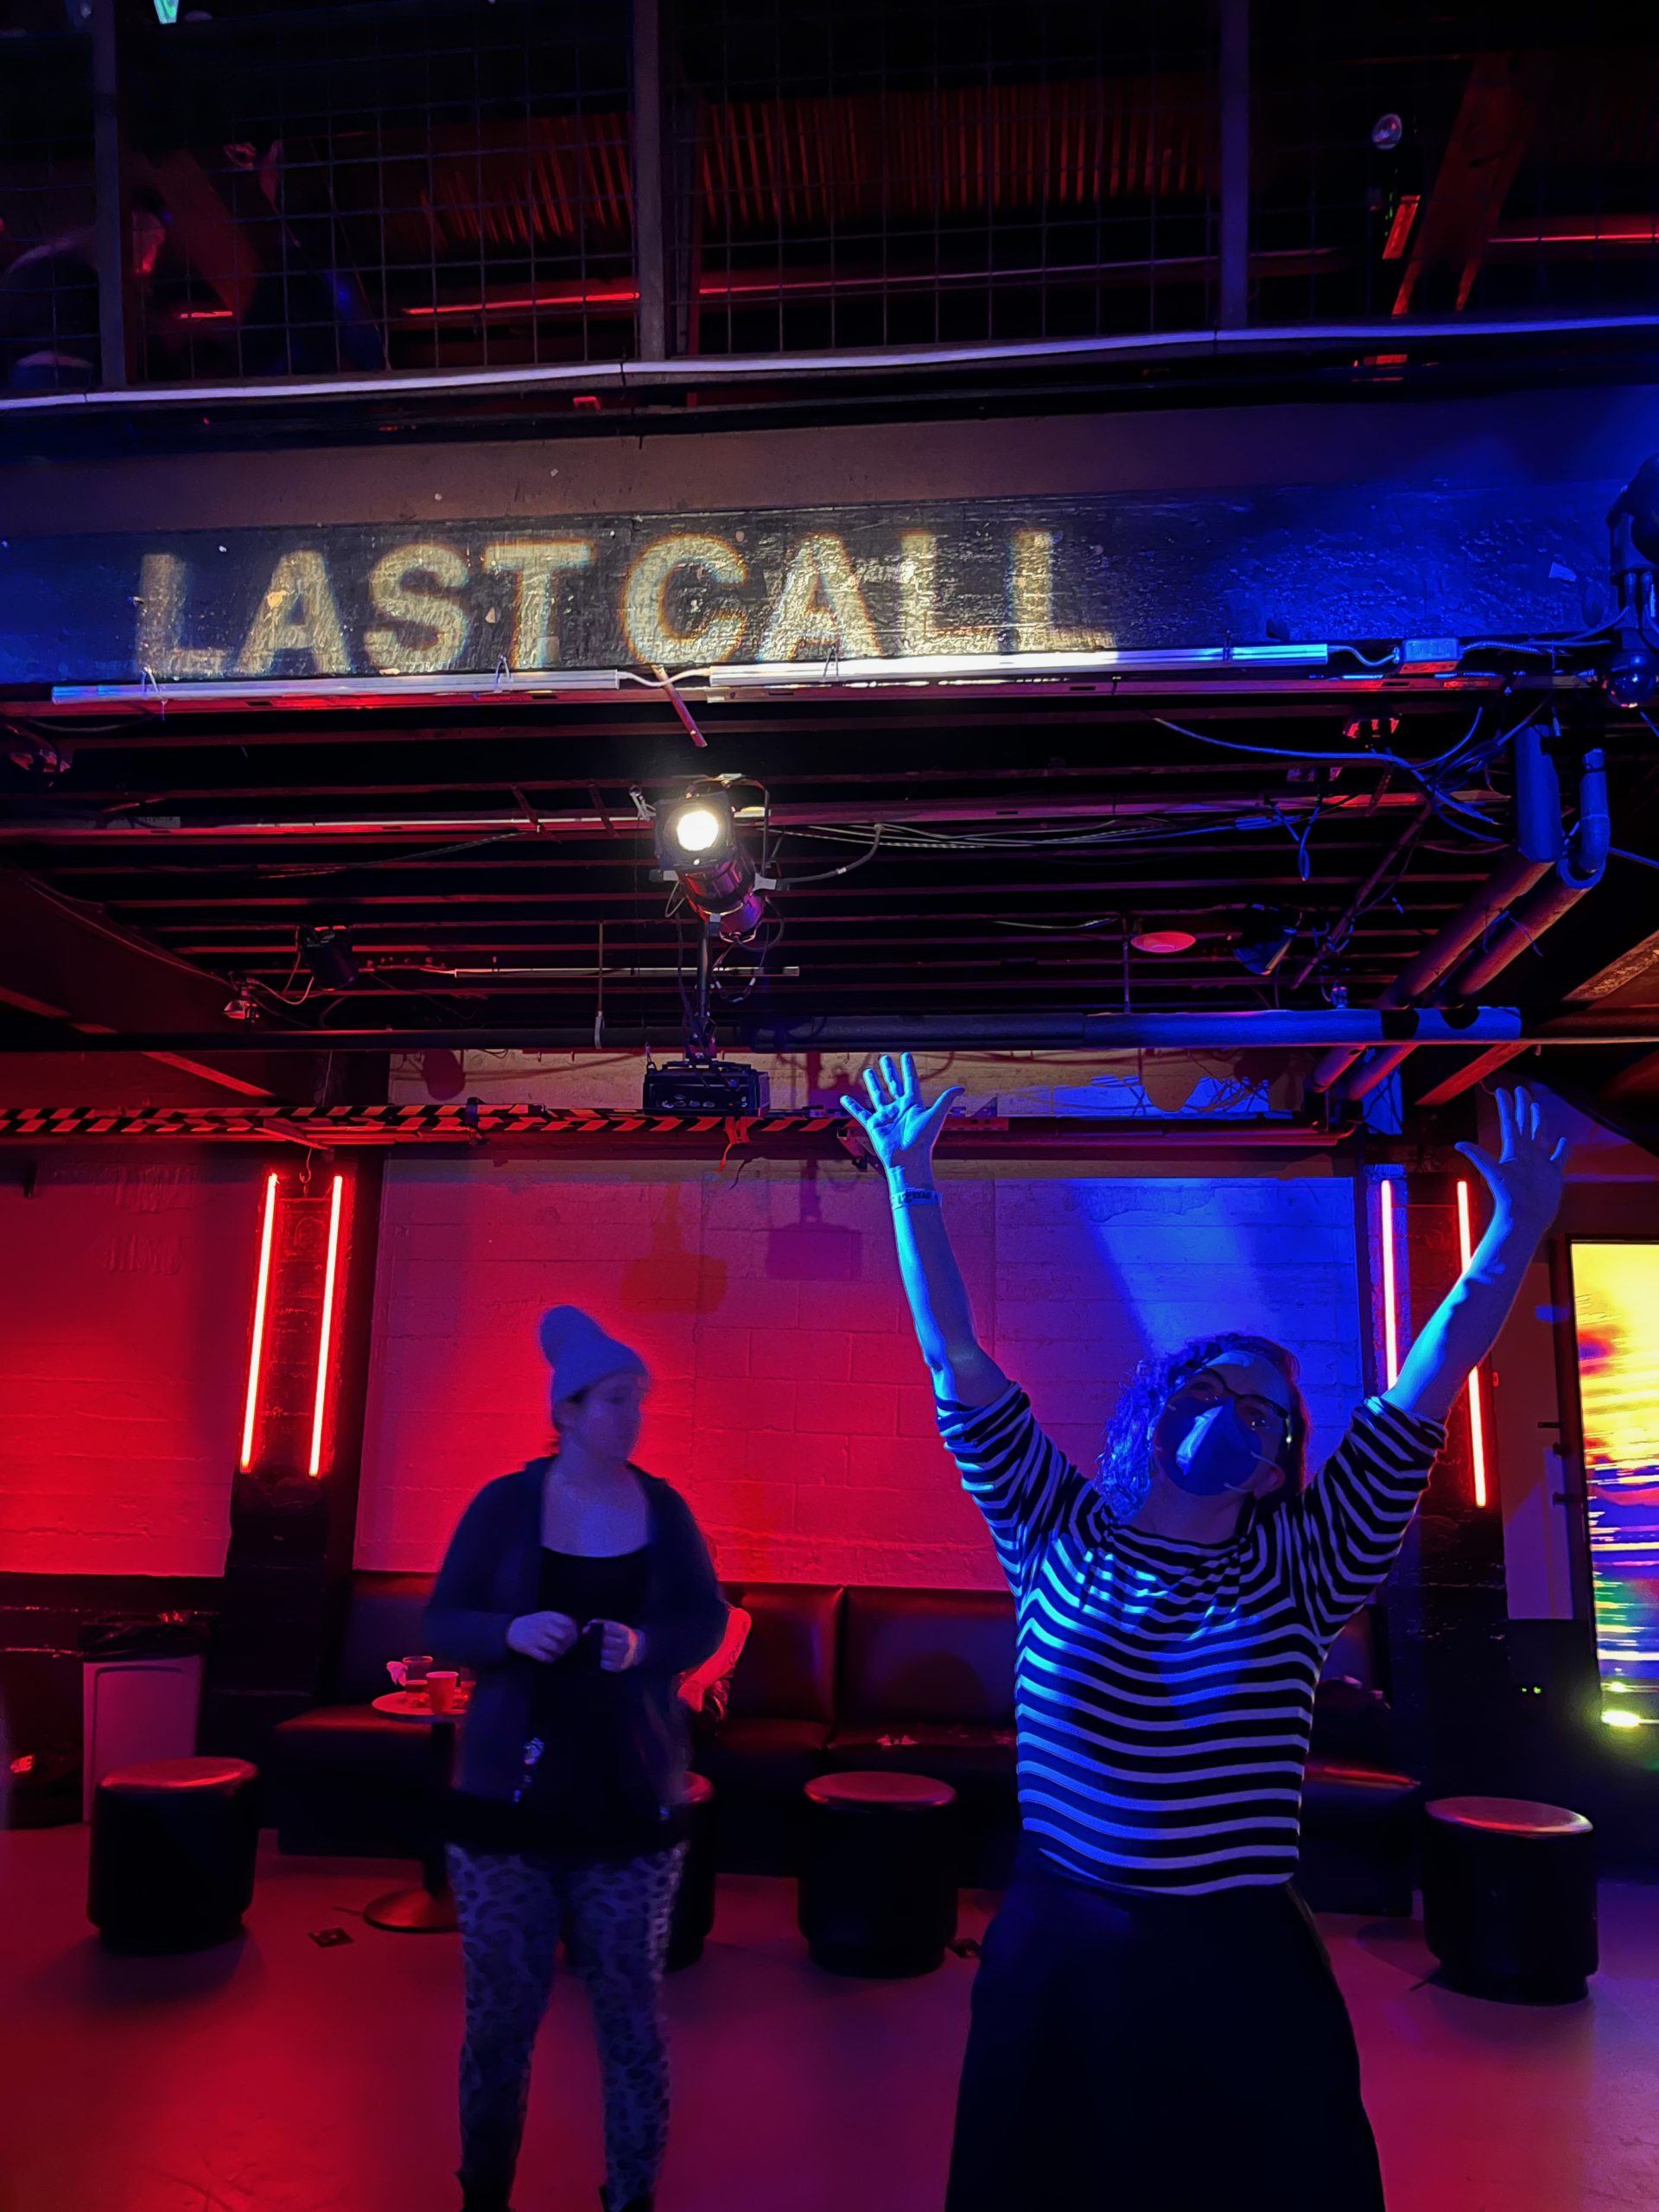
256, 1356
327, 1327
1390, 1321
1476, 1420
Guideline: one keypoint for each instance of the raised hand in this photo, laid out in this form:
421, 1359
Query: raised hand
1525, 1179
900, 1126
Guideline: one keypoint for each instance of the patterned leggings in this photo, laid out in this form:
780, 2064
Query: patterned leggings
513, 1908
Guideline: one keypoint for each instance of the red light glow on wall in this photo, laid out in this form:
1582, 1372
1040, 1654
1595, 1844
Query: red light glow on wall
1477, 1418
325, 1334
256, 1356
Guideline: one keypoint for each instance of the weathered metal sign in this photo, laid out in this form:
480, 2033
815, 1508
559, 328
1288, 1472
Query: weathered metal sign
863, 584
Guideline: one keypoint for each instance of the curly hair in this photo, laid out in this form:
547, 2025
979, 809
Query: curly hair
1123, 1469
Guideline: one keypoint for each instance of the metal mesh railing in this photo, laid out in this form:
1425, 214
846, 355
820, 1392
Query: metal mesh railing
449, 184
48, 253
413, 188
850, 176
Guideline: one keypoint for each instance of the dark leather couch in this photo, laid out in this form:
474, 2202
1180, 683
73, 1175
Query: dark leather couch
842, 1677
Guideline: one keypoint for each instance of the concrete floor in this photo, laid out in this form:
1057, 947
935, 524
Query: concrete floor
275, 2075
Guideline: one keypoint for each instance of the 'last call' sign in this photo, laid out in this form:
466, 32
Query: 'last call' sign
615, 593
863, 584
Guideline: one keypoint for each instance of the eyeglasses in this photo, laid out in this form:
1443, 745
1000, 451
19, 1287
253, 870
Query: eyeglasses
1270, 1424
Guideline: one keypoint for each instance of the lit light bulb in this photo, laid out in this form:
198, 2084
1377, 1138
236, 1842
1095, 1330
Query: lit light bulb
1620, 1717
696, 830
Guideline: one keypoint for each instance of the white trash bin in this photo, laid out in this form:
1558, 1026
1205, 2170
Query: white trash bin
133, 1710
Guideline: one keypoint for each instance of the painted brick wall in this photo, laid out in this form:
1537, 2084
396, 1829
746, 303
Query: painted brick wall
791, 1405
124, 1299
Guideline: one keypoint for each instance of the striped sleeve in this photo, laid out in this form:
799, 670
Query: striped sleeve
1020, 1480
1343, 1534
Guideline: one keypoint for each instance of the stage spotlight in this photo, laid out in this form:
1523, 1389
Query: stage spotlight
697, 829
1265, 939
241, 1006
1147, 938
698, 845
327, 953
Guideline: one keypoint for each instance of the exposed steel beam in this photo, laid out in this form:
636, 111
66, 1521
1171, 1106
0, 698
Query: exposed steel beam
1487, 143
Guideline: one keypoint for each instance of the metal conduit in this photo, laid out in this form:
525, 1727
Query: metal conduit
1511, 879
1579, 870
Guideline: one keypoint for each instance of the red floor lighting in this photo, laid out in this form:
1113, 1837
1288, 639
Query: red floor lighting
327, 1333
256, 1354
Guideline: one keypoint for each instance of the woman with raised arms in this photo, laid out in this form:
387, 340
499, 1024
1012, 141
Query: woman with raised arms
1156, 2026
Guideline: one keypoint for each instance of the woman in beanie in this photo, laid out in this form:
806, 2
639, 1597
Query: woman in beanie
578, 1591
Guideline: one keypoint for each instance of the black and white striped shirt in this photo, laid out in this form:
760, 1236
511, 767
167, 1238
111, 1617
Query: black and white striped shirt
1164, 1690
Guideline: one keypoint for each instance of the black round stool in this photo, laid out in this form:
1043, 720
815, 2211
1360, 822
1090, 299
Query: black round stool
173, 1851
694, 1901
1509, 1899
878, 1890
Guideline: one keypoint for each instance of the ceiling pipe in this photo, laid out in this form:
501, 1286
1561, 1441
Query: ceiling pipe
1580, 870
1283, 1030
1539, 845
158, 829
624, 377
1513, 876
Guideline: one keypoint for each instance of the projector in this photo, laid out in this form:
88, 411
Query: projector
705, 1087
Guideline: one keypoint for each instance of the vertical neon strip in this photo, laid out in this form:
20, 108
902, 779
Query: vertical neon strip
1477, 1423
1390, 1320
327, 1327
257, 1355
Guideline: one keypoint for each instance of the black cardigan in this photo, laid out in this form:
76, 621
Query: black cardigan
492, 1575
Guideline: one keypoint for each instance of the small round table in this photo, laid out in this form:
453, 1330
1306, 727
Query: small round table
429, 1910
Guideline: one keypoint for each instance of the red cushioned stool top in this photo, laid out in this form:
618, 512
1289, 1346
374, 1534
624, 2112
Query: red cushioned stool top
182, 1774
1507, 1816
904, 1792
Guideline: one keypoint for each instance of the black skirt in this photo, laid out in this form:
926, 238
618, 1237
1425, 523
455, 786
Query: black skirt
1157, 2054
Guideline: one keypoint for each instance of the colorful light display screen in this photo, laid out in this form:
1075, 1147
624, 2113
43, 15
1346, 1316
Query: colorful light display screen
1616, 1312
